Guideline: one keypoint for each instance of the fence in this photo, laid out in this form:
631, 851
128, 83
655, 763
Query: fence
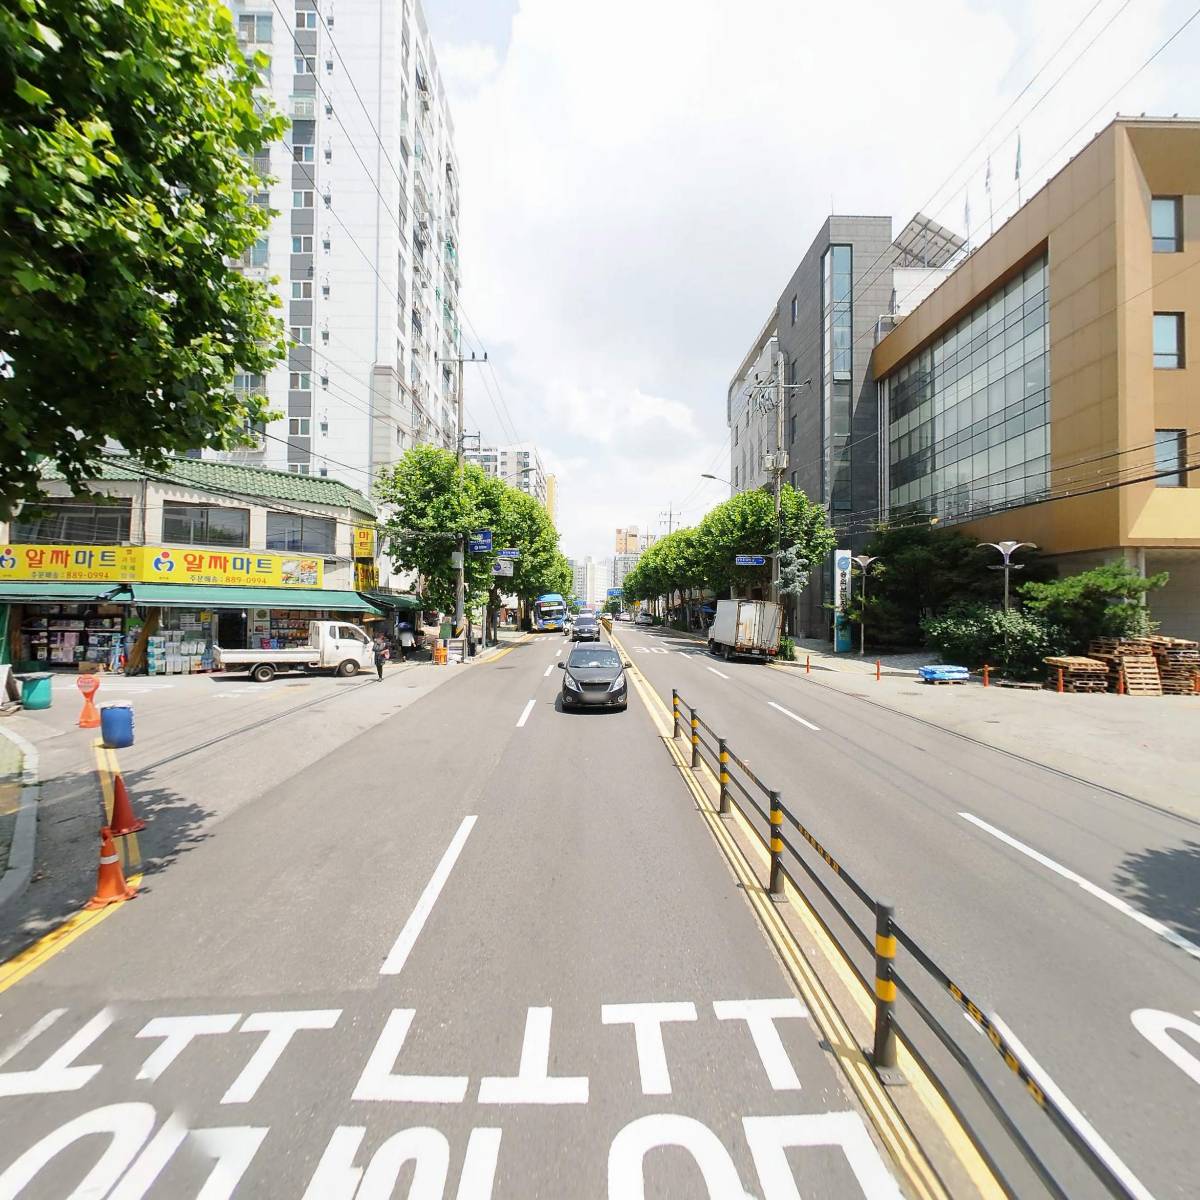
745, 791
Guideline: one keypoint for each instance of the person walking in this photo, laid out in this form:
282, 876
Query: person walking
382, 654
407, 641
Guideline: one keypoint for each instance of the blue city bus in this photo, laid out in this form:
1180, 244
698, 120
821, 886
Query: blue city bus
549, 612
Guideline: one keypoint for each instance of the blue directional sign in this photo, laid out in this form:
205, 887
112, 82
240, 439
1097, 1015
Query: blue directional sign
511, 552
615, 593
480, 542
749, 560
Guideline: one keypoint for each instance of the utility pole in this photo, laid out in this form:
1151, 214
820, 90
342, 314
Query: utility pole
670, 516
779, 465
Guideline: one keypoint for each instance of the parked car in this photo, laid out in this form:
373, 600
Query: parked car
585, 629
624, 616
644, 618
594, 677
334, 646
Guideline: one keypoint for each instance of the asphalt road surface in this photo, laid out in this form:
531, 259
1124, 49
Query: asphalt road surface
485, 949
1071, 912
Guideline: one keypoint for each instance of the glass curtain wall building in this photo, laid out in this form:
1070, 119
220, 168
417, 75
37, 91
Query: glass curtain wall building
967, 418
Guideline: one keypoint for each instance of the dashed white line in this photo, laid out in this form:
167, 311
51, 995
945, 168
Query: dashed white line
548, 670
558, 652
787, 712
398, 955
716, 672
525, 713
1092, 889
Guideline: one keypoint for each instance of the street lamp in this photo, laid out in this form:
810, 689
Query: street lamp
864, 561
1007, 549
706, 475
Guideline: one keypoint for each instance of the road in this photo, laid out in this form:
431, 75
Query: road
488, 946
1074, 913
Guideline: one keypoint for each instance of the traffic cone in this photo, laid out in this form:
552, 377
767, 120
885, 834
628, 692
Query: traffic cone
89, 718
111, 887
123, 819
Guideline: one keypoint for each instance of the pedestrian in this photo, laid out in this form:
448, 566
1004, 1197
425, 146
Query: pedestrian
382, 654
407, 641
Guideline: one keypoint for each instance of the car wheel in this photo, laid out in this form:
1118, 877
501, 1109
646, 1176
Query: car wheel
263, 673
727, 652
348, 668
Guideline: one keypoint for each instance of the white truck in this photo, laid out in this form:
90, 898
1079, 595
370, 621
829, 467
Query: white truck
748, 628
334, 646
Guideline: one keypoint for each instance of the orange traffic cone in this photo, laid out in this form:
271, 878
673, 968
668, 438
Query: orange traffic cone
111, 887
123, 819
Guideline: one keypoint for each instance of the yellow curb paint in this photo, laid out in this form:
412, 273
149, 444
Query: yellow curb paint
509, 649
837, 1034
45, 948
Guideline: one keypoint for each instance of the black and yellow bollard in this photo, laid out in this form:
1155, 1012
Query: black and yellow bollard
723, 775
674, 714
885, 987
695, 739
776, 846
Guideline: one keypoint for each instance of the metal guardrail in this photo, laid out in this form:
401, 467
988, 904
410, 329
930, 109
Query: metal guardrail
889, 935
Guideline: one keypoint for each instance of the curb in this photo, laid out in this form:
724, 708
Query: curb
16, 877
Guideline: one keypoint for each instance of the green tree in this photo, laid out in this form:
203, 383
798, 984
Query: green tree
612, 606
1107, 601
127, 140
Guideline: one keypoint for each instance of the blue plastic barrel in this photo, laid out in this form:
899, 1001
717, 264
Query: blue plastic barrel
116, 725
35, 691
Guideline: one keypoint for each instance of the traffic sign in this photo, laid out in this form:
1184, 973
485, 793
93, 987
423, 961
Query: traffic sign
511, 552
615, 593
481, 542
502, 566
749, 560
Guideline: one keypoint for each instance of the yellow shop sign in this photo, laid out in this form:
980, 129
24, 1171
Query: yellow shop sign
364, 541
158, 564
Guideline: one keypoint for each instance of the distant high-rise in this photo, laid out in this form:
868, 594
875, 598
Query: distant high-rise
552, 498
627, 540
520, 466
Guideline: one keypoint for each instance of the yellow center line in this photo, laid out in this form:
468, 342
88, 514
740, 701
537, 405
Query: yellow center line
888, 1121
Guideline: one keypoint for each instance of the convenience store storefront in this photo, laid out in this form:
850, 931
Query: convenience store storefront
116, 614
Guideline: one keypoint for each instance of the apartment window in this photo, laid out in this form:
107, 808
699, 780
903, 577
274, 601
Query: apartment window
298, 468
258, 255
301, 334
300, 381
304, 154
306, 20
302, 289
245, 382
304, 66
795, 309
1166, 224
792, 428
262, 199
1168, 341
254, 27
202, 525
69, 523
1170, 453
298, 426
302, 199
302, 243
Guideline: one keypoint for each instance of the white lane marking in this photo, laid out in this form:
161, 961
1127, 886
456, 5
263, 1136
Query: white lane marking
647, 1021
716, 672
1156, 1027
760, 1017
533, 1083
558, 652
548, 670
379, 1080
394, 963
1108, 898
280, 1028
1082, 1126
526, 711
38, 1027
788, 713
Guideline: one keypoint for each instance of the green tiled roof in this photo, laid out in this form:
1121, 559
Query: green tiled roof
205, 474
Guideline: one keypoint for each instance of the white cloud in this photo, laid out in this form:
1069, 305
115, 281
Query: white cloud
640, 179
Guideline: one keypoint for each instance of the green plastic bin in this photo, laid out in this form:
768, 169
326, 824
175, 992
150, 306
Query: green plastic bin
35, 691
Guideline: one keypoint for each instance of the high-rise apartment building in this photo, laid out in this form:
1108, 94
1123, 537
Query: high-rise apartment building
627, 540
622, 564
587, 578
365, 237
552, 498
520, 466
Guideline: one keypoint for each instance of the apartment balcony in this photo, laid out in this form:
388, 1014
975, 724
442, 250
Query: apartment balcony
302, 108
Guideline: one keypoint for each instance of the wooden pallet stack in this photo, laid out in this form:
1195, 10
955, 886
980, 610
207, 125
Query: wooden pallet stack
1114, 652
1079, 674
1178, 661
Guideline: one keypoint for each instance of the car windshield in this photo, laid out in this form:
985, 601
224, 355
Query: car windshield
585, 620
594, 658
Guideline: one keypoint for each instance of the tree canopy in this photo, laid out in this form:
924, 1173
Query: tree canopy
435, 502
128, 138
702, 556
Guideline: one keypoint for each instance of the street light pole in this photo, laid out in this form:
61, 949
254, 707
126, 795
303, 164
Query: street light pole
864, 561
1007, 549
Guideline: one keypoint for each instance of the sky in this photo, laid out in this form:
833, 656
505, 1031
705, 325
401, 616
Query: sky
641, 177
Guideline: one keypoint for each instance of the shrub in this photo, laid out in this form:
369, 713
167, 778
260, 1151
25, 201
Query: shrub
1014, 642
1106, 601
787, 649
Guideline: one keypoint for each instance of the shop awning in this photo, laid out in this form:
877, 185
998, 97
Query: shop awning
23, 592
190, 596
391, 600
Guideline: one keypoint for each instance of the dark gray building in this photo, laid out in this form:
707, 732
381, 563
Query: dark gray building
854, 280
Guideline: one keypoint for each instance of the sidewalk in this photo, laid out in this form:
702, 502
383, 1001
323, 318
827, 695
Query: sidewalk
1147, 747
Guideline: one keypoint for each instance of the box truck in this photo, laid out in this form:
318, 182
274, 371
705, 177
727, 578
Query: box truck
745, 628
